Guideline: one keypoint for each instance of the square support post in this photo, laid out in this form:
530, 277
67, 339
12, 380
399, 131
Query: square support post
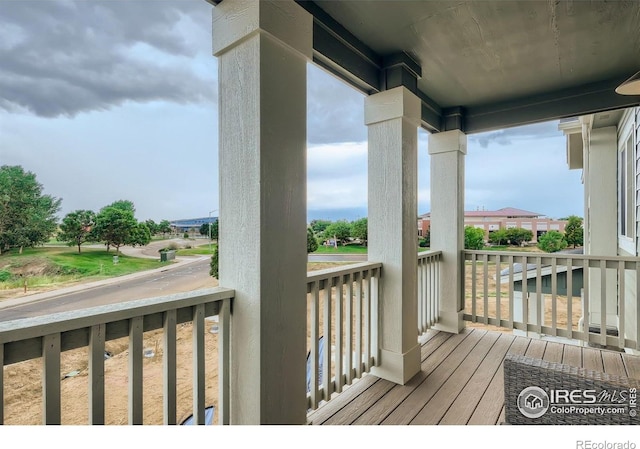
392, 118
601, 227
447, 151
262, 50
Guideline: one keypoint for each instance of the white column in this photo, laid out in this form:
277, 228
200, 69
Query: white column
392, 118
262, 49
447, 150
601, 236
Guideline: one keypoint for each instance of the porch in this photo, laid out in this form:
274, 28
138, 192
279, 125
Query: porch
369, 315
460, 382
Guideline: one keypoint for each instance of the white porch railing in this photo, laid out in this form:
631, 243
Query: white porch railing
549, 294
48, 336
342, 331
428, 287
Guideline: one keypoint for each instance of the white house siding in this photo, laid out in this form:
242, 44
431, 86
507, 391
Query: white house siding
635, 126
630, 124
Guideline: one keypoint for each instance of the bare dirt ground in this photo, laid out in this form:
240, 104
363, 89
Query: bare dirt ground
562, 311
23, 384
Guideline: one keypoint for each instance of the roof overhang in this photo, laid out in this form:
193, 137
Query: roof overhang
483, 65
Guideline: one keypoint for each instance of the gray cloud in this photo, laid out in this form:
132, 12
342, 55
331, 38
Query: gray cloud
335, 110
65, 57
506, 136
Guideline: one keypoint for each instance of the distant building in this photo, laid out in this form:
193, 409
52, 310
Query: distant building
505, 218
190, 225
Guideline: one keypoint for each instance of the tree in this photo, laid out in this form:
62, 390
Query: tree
360, 229
499, 237
473, 237
214, 230
114, 227
165, 227
573, 231
204, 229
76, 227
27, 216
213, 270
519, 236
153, 226
340, 230
318, 226
312, 242
140, 235
552, 241
125, 205
425, 241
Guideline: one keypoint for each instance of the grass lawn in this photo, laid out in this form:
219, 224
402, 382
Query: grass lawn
348, 249
200, 250
47, 266
523, 249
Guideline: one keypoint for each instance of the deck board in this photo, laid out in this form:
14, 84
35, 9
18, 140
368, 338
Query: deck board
461, 381
632, 365
613, 364
536, 349
348, 395
489, 410
592, 359
572, 355
406, 411
438, 405
553, 352
464, 405
356, 408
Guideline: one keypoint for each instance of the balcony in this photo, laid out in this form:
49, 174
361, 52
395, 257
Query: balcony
460, 380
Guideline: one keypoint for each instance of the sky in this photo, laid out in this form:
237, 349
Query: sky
110, 100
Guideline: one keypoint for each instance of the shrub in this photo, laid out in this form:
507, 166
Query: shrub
519, 236
574, 232
552, 241
173, 246
213, 271
4, 275
473, 238
499, 237
312, 242
186, 235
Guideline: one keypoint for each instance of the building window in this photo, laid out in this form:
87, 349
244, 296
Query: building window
626, 188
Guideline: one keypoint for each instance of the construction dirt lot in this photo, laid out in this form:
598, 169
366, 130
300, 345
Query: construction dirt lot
23, 383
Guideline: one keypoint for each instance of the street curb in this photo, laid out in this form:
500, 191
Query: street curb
180, 262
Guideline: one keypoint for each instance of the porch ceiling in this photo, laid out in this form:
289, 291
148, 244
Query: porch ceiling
484, 65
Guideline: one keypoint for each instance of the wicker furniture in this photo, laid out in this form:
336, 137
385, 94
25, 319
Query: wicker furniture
522, 372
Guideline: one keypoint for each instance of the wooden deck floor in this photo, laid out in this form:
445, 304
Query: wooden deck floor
461, 382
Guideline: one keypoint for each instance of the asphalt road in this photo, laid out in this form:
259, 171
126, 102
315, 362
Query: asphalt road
337, 257
185, 277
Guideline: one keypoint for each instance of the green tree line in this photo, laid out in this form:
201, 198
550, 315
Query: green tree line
27, 215
342, 231
28, 218
550, 241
